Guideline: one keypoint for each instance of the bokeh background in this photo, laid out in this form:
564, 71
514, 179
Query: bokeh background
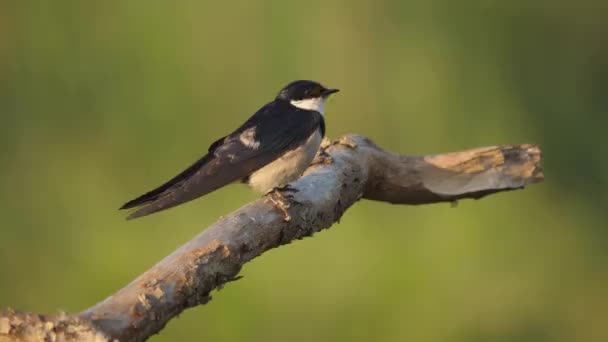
101, 100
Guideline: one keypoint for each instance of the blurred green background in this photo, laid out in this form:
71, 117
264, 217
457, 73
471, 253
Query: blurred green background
101, 100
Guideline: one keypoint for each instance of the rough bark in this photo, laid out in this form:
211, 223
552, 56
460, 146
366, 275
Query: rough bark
355, 168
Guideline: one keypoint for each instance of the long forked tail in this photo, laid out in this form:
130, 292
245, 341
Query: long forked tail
156, 205
169, 194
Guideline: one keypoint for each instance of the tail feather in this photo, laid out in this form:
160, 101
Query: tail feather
161, 191
141, 200
153, 206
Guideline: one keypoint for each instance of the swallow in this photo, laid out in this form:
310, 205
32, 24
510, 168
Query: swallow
271, 149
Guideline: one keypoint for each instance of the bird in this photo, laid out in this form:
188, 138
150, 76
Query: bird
271, 149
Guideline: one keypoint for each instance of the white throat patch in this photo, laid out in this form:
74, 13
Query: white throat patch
316, 103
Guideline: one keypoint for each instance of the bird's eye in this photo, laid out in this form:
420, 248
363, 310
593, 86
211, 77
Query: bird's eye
316, 91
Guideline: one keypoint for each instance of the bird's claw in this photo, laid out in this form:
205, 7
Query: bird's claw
281, 201
287, 188
346, 141
323, 158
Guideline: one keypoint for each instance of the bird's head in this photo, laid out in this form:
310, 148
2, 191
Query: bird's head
308, 95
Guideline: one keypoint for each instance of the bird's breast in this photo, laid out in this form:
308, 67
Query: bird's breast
286, 168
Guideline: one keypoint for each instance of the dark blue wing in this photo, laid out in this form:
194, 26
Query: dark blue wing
276, 128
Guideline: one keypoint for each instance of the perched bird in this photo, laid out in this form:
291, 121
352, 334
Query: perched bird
271, 149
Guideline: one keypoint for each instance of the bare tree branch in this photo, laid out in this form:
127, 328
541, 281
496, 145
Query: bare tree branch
353, 168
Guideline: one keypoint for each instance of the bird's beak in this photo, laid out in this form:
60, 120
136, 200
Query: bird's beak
328, 92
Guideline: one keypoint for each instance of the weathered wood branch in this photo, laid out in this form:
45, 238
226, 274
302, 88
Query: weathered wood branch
355, 169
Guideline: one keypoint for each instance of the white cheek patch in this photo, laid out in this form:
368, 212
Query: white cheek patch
248, 138
316, 103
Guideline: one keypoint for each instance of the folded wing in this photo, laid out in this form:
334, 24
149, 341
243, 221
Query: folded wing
275, 129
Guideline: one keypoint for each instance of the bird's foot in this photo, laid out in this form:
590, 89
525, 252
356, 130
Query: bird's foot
346, 141
287, 188
323, 158
282, 201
